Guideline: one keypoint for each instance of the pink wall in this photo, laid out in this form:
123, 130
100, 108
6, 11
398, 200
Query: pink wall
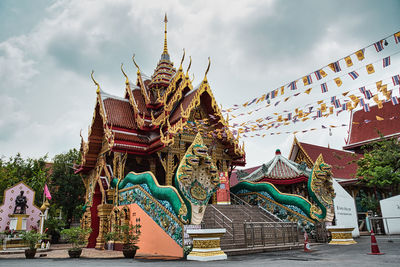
8, 206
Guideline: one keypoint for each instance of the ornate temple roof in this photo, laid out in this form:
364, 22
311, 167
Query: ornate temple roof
344, 166
279, 170
365, 126
152, 111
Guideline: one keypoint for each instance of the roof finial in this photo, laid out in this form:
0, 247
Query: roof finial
190, 64
96, 83
183, 58
126, 76
165, 35
134, 62
208, 68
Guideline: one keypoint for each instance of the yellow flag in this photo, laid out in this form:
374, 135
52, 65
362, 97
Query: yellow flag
323, 107
338, 81
353, 98
376, 98
370, 68
379, 118
282, 90
304, 119
320, 102
245, 104
348, 61
300, 114
261, 98
330, 110
345, 93
280, 118
322, 72
360, 54
305, 81
384, 89
308, 91
378, 85
286, 99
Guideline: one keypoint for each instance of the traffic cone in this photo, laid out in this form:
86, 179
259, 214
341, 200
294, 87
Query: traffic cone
374, 245
307, 247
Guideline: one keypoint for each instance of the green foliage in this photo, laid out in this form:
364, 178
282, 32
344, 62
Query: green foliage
32, 238
77, 236
67, 188
31, 171
369, 202
380, 165
129, 235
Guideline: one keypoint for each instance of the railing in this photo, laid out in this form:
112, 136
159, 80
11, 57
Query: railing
259, 234
238, 201
380, 225
270, 204
220, 220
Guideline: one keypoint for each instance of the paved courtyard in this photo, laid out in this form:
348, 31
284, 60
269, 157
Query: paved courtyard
322, 255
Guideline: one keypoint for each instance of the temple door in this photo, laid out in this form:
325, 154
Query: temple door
95, 221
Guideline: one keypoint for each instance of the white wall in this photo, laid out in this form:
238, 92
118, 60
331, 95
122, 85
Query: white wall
345, 209
390, 207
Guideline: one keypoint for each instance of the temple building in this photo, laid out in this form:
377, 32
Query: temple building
150, 128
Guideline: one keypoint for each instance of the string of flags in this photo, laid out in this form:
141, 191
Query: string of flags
319, 74
359, 96
324, 89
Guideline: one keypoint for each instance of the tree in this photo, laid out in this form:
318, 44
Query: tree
67, 187
380, 166
33, 172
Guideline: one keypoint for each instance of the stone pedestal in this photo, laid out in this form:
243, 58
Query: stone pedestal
341, 235
18, 221
206, 244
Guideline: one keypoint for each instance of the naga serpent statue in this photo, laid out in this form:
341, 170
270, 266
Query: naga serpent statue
320, 189
196, 180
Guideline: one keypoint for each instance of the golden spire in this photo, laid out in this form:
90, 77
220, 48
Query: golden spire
165, 35
95, 82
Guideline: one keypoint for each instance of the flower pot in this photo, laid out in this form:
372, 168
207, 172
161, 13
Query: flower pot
75, 252
30, 253
110, 245
129, 252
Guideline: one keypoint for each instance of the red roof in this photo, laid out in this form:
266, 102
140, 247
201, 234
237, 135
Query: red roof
365, 125
234, 178
342, 162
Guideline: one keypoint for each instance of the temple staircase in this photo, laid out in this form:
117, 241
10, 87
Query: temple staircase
249, 229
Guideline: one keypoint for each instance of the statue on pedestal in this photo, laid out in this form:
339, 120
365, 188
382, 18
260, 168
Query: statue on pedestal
20, 202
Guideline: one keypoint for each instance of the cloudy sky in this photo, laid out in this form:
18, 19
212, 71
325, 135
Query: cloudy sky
48, 49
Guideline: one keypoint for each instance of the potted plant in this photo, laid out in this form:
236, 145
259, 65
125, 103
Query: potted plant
78, 237
32, 238
110, 238
130, 237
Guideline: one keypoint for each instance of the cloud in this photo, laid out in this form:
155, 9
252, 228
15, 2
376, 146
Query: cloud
47, 54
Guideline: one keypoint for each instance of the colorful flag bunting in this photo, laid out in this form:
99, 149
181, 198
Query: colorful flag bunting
277, 103
368, 94
395, 101
333, 98
273, 94
386, 61
362, 102
353, 74
370, 68
366, 108
289, 116
330, 110
362, 90
338, 81
292, 85
319, 113
344, 106
360, 54
378, 85
282, 90
323, 107
324, 88
396, 80
337, 103
319, 74
307, 80
379, 46
345, 93
308, 91
397, 37
349, 63
335, 66
286, 99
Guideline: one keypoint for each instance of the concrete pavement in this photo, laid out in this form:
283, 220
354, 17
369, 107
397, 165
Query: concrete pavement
328, 255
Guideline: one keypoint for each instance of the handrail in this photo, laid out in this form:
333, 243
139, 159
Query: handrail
220, 213
242, 202
287, 231
270, 213
246, 204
